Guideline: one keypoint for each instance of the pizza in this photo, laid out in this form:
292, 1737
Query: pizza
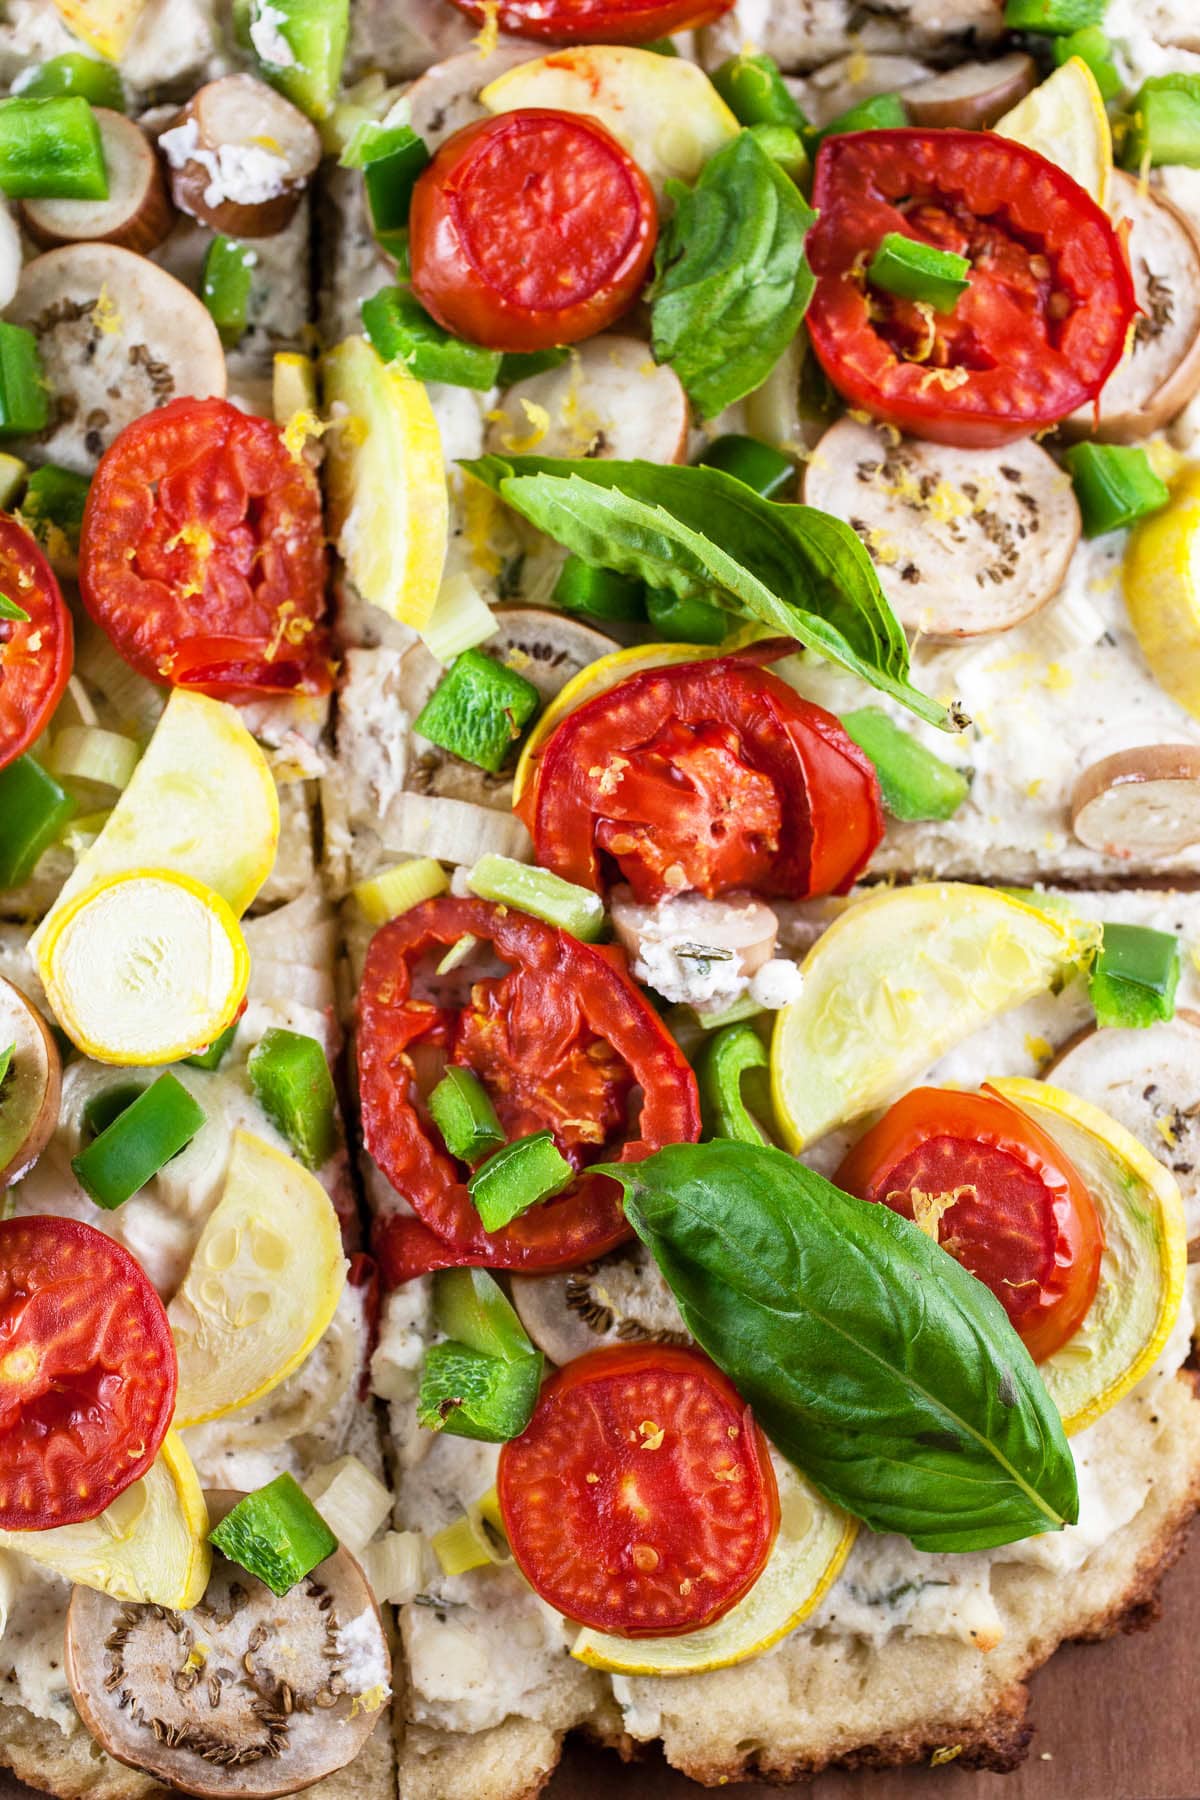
599, 820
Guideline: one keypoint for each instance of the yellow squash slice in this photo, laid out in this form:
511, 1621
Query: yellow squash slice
1162, 591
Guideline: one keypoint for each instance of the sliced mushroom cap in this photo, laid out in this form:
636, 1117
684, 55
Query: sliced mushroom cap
849, 80
963, 541
609, 399
138, 212
446, 97
245, 1693
117, 337
240, 156
31, 1087
547, 648
738, 925
1142, 803
972, 95
622, 1300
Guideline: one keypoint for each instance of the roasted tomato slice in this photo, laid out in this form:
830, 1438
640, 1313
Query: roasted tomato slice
35, 652
705, 776
640, 1499
203, 554
87, 1372
1039, 330
560, 1041
556, 180
998, 1194
597, 21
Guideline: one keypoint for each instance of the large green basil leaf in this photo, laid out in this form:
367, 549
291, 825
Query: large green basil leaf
698, 531
875, 1363
732, 282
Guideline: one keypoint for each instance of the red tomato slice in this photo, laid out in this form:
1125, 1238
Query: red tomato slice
705, 776
597, 21
203, 554
560, 1041
640, 1499
1043, 323
1020, 1215
87, 1372
35, 653
554, 180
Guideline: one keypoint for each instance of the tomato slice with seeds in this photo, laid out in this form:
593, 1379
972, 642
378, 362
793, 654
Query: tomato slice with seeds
202, 554
596, 21
998, 1194
707, 777
1039, 330
640, 1499
35, 652
556, 180
87, 1372
560, 1042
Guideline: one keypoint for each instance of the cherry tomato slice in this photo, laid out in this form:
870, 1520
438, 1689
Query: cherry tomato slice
1019, 1215
554, 180
597, 21
35, 653
1039, 330
203, 554
559, 1042
640, 1499
87, 1372
705, 776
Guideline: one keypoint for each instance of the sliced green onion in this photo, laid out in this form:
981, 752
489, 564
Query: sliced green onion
53, 506
479, 711
472, 1309
400, 330
519, 365
915, 783
760, 466
225, 285
785, 147
393, 891
461, 618
458, 953
1056, 16
315, 34
470, 1395
690, 621
276, 1535
13, 475
726, 1058
1114, 485
24, 400
98, 83
34, 810
10, 610
212, 1057
290, 1075
1165, 123
1135, 976
755, 92
144, 1136
598, 592
510, 883
391, 158
460, 1108
353, 1502
885, 112
50, 149
89, 753
517, 1176
916, 271
1092, 47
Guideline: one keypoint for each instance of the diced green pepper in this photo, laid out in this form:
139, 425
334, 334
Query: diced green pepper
391, 158
510, 883
225, 284
915, 783
34, 811
135, 1144
98, 83
53, 504
468, 1394
601, 593
917, 271
291, 1078
211, 1058
276, 1535
104, 1108
479, 711
690, 621
755, 92
50, 149
1053, 16
1135, 976
760, 466
661, 46
1114, 485
785, 147
24, 400
400, 330
725, 1059
460, 1108
1092, 47
471, 1308
884, 112
519, 365
1165, 123
520, 1175
314, 34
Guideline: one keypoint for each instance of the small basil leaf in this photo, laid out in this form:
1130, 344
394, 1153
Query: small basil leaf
732, 282
875, 1363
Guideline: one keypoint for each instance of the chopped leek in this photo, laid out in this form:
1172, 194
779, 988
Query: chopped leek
537, 891
461, 619
394, 1566
885, 112
1091, 47
145, 1134
459, 1547
89, 753
393, 891
290, 1075
276, 1534
353, 1502
458, 953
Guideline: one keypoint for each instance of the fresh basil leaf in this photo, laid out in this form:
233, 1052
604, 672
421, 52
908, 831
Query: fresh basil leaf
875, 1363
732, 282
700, 532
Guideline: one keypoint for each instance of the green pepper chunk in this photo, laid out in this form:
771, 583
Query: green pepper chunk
1165, 123
1053, 16
1135, 976
34, 811
24, 400
726, 1057
601, 593
918, 271
137, 1140
98, 83
520, 1175
290, 1075
471, 1308
460, 1108
225, 283
884, 112
755, 92
212, 1057
519, 365
391, 159
50, 149
479, 711
1114, 485
468, 1394
914, 783
690, 621
1091, 46
760, 466
277, 1535
53, 505
401, 330
784, 146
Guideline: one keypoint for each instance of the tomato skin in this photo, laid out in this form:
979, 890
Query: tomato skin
598, 21
559, 1043
1012, 365
708, 776
87, 1372
533, 175
35, 656
1030, 1223
640, 1499
202, 554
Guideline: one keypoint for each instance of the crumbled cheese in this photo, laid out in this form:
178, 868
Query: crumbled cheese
362, 1654
776, 984
267, 37
246, 174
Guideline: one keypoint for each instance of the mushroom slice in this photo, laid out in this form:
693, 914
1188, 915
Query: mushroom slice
244, 1693
137, 214
547, 648
30, 1086
609, 399
1162, 369
240, 156
1142, 803
620, 1300
972, 95
117, 337
446, 97
738, 927
963, 541
835, 87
